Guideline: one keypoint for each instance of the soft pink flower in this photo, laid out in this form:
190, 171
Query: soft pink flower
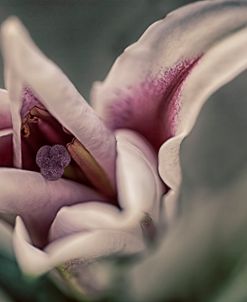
124, 174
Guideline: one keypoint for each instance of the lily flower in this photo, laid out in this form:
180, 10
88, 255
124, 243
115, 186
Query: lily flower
88, 182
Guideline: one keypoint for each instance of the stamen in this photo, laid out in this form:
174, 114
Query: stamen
93, 171
52, 160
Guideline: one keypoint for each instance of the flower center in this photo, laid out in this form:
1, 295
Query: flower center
51, 149
52, 161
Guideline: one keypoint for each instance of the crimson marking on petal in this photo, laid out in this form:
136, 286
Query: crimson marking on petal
152, 107
52, 160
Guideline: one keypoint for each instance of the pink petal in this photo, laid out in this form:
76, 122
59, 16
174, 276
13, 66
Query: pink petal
82, 247
36, 200
143, 89
26, 66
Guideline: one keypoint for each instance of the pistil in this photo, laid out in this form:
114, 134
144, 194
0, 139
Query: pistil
52, 160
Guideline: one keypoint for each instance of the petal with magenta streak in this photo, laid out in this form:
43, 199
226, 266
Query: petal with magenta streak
27, 66
222, 63
143, 89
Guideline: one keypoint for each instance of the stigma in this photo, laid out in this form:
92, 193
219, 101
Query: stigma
52, 160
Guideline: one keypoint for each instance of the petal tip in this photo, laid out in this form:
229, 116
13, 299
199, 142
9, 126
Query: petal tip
10, 26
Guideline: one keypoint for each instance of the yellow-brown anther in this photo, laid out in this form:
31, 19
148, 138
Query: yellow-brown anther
32, 117
93, 171
25, 129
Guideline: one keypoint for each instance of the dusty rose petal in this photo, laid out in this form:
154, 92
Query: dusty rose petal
36, 200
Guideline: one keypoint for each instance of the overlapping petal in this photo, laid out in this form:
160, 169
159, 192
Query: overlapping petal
37, 200
139, 193
26, 66
81, 246
92, 230
85, 218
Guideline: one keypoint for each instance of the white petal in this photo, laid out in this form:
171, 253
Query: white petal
169, 162
89, 246
27, 66
93, 216
139, 186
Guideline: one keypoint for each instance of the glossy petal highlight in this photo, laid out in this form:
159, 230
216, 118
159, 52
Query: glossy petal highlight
139, 186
